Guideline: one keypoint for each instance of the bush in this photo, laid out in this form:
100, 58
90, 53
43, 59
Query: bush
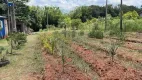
75, 23
17, 39
96, 34
133, 25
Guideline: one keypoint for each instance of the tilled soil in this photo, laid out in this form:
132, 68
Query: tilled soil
53, 70
127, 53
133, 46
106, 69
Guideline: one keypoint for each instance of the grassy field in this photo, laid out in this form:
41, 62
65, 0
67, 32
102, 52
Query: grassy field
23, 62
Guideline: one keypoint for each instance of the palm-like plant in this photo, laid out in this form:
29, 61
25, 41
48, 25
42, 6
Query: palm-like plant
112, 51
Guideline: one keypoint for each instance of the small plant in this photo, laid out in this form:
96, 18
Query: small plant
115, 44
96, 34
112, 50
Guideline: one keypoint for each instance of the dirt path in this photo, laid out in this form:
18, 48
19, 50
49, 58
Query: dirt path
25, 64
105, 69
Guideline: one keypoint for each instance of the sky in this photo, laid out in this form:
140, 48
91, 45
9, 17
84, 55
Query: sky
68, 5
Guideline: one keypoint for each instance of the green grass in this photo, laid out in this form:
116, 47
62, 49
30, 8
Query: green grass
24, 61
3, 42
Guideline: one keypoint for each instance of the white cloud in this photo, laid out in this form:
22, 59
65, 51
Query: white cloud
70, 4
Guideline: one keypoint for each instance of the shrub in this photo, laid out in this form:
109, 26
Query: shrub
21, 38
96, 34
75, 23
131, 15
16, 40
133, 25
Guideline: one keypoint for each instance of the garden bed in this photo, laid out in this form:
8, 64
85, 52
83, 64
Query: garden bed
105, 69
125, 51
53, 70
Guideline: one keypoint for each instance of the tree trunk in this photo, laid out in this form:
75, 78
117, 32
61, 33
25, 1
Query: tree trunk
106, 15
121, 28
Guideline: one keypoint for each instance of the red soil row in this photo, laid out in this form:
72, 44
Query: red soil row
105, 69
121, 52
129, 45
53, 70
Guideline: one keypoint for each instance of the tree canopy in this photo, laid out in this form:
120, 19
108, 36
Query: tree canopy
39, 17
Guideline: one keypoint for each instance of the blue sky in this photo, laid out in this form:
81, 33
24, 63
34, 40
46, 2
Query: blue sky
68, 5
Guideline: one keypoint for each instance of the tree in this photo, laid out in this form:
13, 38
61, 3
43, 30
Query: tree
131, 15
40, 16
2, 8
54, 14
22, 11
36, 16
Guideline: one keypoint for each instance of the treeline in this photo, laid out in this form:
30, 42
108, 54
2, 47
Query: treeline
38, 17
41, 16
33, 16
94, 11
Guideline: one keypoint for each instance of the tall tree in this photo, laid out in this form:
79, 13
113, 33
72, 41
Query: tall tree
36, 17
2, 8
